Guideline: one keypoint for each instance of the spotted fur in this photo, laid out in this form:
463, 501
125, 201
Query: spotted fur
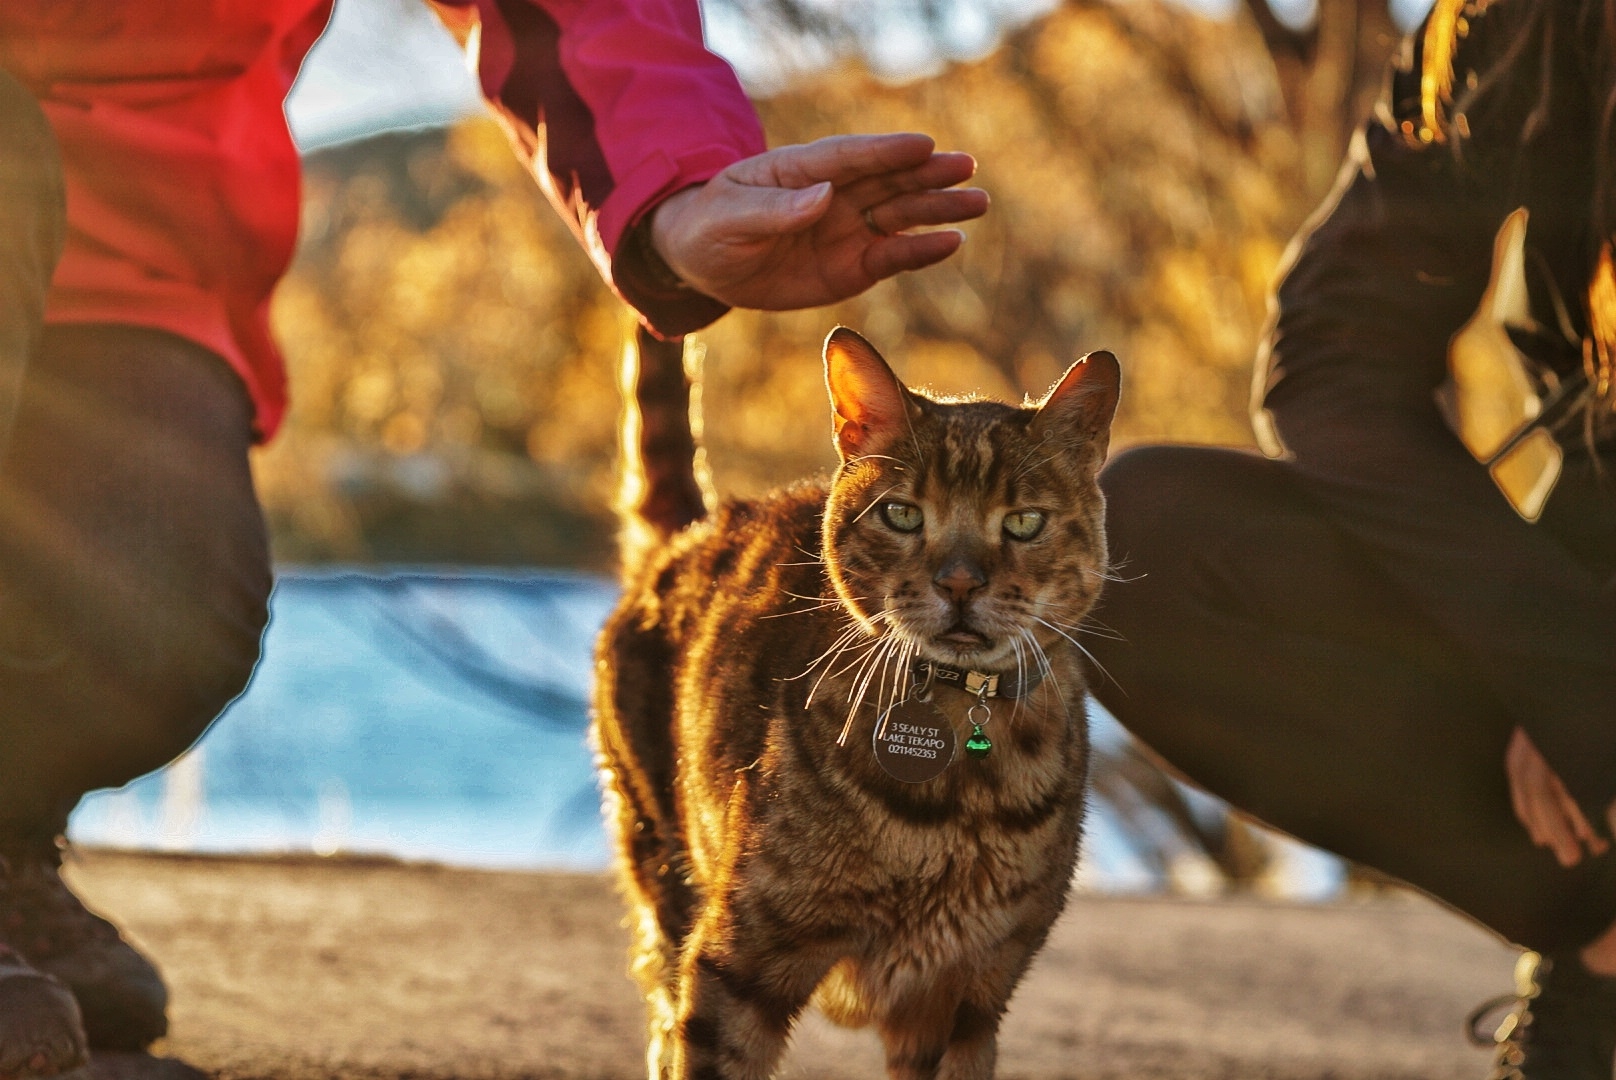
769, 862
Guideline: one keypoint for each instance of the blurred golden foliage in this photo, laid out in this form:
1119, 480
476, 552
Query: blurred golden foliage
453, 355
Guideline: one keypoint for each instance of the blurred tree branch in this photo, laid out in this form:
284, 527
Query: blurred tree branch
1329, 74
1174, 70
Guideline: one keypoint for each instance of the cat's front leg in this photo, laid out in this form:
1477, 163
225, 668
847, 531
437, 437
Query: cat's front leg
950, 1031
973, 1034
973, 1044
740, 989
944, 1038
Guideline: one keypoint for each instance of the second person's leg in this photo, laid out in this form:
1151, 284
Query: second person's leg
1269, 662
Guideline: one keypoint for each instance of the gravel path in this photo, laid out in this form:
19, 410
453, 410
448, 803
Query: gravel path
304, 969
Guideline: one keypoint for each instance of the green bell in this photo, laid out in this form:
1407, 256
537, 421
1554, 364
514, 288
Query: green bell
978, 744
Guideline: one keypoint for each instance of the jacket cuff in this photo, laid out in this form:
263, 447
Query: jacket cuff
667, 306
654, 179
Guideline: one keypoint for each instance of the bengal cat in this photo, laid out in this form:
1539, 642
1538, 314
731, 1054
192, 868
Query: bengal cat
841, 726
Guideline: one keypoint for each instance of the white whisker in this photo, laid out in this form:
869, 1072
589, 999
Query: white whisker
900, 674
867, 671
852, 631
874, 502
1107, 575
865, 662
857, 663
809, 610
1021, 674
878, 457
1024, 468
828, 673
1080, 648
1021, 466
881, 686
1049, 673
829, 657
1096, 630
814, 599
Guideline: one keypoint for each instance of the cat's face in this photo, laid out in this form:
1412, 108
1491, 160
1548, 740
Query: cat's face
972, 530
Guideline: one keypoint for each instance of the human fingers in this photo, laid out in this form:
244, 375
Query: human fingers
737, 211
1514, 770
1581, 827
703, 232
927, 208
939, 172
841, 159
1555, 830
895, 254
1517, 761
1536, 807
1556, 811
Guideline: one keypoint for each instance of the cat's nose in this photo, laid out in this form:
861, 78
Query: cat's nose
958, 578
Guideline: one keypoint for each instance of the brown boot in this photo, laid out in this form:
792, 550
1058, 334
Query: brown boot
41, 1033
119, 992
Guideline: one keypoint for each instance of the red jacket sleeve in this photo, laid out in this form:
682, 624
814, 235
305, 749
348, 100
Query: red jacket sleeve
615, 105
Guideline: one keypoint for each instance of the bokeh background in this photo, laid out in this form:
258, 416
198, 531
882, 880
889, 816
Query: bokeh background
453, 356
453, 360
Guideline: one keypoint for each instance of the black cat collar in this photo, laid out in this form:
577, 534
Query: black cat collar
1009, 685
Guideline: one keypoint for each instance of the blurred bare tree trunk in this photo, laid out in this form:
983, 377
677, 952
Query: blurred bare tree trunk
1329, 74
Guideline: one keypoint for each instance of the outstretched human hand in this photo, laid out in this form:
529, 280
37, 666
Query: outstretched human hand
802, 226
1542, 804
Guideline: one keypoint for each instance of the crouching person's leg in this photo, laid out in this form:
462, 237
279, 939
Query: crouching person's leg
41, 1032
134, 583
1260, 652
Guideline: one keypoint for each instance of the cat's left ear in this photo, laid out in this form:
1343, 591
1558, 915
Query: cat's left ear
1081, 405
869, 406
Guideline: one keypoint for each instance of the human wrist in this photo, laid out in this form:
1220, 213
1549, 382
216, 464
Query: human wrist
666, 302
651, 268
660, 236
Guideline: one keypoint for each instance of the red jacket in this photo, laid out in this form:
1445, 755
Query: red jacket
182, 180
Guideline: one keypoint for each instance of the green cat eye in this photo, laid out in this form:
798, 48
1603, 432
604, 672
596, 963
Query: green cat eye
1023, 524
905, 517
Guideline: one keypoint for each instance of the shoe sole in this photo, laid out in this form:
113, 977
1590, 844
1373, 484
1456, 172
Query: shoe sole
41, 1032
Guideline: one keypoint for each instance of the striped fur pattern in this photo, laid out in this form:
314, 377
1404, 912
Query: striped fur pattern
766, 864
664, 485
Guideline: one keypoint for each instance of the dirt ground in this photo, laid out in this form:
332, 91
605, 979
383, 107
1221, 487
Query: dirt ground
304, 969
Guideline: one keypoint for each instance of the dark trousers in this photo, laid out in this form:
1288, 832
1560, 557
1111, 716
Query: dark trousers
1267, 657
134, 568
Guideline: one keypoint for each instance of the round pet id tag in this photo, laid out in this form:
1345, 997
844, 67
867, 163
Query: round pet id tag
914, 742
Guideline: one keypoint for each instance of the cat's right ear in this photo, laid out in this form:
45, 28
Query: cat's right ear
1082, 404
869, 406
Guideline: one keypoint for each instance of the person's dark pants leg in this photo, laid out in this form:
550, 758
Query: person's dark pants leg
133, 588
134, 570
134, 580
1270, 663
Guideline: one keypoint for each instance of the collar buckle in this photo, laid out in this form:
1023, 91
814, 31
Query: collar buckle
981, 684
